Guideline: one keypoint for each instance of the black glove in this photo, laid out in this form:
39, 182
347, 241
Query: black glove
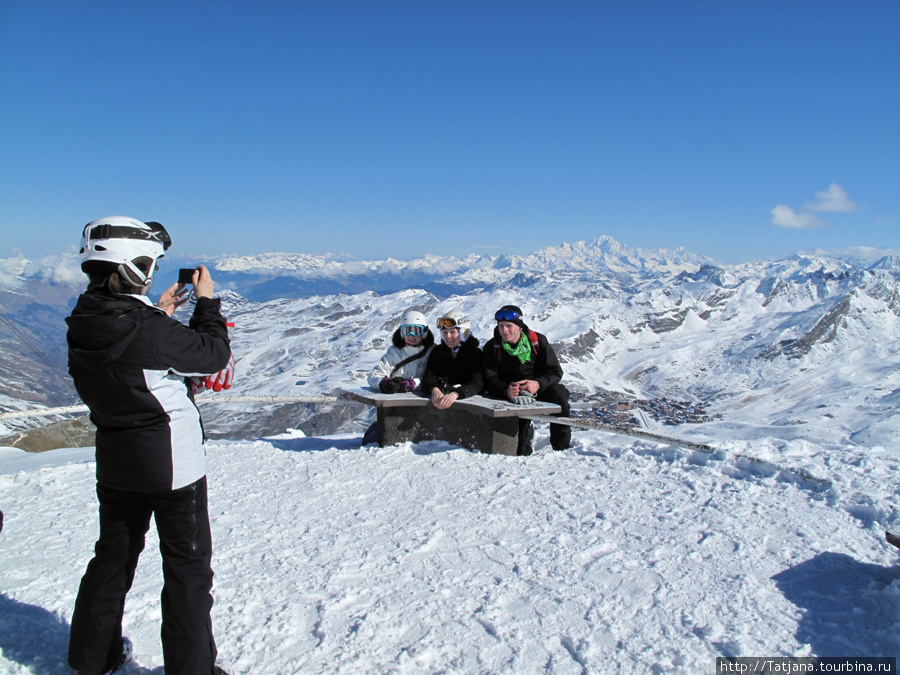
404, 384
396, 385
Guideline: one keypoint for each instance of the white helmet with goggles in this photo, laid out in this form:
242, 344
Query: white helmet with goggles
126, 245
412, 323
455, 319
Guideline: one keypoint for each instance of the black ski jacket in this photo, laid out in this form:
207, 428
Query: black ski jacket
461, 373
129, 361
501, 368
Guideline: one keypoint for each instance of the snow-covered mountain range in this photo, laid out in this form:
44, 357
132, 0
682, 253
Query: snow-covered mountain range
263, 276
815, 335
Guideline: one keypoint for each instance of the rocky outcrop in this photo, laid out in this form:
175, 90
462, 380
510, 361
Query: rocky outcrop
77, 432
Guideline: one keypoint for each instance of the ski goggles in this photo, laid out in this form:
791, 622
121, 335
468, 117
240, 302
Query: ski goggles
449, 322
507, 315
412, 329
156, 232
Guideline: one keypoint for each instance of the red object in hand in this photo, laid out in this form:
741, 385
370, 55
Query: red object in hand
218, 381
224, 378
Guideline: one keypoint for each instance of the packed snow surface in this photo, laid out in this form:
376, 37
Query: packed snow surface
615, 556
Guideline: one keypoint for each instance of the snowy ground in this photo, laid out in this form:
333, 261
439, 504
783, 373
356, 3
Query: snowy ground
616, 556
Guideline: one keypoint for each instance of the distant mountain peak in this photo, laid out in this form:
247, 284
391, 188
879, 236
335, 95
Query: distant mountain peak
891, 263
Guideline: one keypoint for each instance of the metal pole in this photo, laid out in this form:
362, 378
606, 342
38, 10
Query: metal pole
659, 438
43, 412
622, 431
72, 409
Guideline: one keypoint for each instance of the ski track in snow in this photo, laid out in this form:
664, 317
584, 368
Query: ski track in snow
611, 557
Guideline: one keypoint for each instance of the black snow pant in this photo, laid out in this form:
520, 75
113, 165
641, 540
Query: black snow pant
182, 522
560, 434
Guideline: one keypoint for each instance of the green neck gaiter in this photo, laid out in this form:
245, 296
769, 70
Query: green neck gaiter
522, 350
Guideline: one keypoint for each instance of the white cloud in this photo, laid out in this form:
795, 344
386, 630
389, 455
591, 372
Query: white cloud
10, 271
63, 268
785, 216
833, 199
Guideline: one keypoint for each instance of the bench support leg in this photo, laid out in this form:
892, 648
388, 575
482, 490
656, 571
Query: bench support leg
495, 435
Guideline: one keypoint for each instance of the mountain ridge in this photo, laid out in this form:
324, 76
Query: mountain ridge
637, 324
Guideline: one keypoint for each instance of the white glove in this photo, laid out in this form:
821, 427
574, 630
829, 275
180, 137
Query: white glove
218, 381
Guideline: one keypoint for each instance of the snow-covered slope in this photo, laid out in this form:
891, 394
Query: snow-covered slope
616, 556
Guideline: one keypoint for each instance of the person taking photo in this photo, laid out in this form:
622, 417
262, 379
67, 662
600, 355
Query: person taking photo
132, 364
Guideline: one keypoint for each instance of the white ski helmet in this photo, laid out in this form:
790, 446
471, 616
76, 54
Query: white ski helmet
455, 319
414, 319
123, 244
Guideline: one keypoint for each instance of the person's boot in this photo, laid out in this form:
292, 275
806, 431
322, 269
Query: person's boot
124, 657
560, 436
121, 660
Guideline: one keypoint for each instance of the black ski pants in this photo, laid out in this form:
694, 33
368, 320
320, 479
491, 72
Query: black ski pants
560, 434
182, 522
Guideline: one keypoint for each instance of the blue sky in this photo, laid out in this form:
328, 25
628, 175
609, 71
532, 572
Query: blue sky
741, 130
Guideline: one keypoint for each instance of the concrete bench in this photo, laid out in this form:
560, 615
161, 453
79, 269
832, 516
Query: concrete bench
476, 422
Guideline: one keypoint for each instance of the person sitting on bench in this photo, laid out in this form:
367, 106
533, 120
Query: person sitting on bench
453, 370
521, 366
400, 369
402, 366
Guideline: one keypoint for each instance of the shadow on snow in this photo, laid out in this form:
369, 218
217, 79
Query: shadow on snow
351, 442
849, 608
313, 444
38, 639
33, 637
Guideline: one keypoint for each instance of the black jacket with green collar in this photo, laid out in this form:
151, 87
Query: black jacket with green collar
501, 368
